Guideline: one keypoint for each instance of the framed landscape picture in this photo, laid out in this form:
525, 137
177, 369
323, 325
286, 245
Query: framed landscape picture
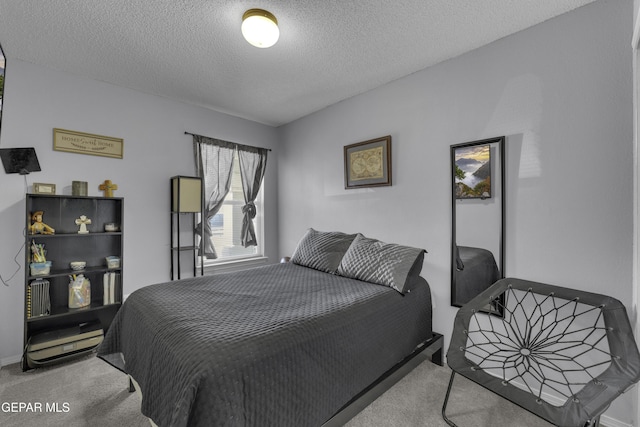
472, 171
368, 163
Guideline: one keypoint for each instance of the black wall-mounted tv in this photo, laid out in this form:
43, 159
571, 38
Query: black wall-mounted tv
19, 160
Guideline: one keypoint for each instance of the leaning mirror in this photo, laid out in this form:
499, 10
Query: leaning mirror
1, 83
478, 223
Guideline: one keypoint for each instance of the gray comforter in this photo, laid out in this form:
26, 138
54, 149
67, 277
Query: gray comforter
281, 345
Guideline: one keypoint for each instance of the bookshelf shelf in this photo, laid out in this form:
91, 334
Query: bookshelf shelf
65, 312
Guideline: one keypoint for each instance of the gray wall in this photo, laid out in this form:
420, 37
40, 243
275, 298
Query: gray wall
562, 94
155, 148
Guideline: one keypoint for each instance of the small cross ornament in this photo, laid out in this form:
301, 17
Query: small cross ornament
83, 221
108, 188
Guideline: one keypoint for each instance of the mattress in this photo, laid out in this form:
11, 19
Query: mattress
281, 345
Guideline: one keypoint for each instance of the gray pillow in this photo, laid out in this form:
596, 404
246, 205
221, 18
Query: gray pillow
322, 250
387, 264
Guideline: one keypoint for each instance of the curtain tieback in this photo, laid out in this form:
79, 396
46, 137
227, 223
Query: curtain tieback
250, 210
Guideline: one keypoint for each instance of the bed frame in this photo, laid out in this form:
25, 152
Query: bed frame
430, 349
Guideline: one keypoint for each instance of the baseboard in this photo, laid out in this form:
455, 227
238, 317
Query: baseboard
607, 421
10, 360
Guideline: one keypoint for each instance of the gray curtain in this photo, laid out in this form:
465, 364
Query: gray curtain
253, 163
214, 164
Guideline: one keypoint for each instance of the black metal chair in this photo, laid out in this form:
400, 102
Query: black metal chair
562, 354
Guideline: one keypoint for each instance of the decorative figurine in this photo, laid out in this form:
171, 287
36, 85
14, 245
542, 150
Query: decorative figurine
39, 227
82, 222
107, 186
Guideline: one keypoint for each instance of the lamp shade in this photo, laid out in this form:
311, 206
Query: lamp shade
186, 194
260, 28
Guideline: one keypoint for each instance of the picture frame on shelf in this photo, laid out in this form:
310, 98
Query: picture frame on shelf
368, 163
43, 188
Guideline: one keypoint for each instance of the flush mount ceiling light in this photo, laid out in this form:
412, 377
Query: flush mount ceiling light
260, 28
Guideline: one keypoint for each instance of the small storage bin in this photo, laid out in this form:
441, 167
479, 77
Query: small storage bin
113, 262
40, 268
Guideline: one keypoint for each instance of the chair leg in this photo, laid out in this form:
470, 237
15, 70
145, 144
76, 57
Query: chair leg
446, 400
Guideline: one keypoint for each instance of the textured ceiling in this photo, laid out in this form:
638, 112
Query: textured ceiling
193, 50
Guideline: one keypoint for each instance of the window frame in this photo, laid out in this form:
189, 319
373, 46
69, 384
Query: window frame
242, 261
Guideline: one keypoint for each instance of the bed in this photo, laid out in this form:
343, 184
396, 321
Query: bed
282, 345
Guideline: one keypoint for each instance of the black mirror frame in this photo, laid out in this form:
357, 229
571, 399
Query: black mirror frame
501, 258
3, 75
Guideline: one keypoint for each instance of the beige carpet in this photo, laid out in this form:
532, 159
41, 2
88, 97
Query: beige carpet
88, 392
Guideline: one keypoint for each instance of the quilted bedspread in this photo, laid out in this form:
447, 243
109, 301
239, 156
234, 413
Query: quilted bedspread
281, 345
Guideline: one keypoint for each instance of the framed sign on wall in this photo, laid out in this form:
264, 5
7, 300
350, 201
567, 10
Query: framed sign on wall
87, 143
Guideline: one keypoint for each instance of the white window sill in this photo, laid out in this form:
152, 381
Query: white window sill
234, 265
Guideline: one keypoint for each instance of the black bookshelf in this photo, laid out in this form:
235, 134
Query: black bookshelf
67, 245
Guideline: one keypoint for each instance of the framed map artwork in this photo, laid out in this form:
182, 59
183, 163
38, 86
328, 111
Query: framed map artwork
368, 163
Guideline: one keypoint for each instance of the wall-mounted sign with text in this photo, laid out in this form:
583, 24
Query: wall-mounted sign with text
87, 143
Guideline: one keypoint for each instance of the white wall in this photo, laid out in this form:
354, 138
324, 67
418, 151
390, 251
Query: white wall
155, 148
561, 92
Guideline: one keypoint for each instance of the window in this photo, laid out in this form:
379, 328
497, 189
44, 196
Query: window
226, 225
